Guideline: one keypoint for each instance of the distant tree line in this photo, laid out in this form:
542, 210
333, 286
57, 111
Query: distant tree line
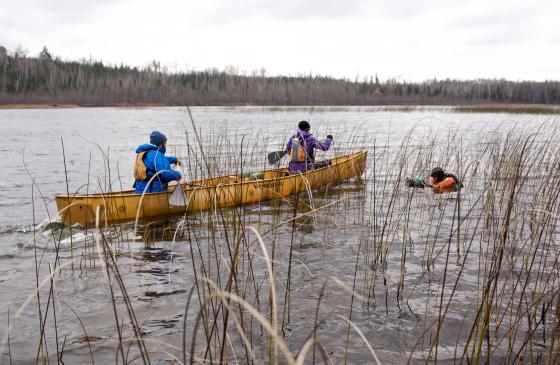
44, 79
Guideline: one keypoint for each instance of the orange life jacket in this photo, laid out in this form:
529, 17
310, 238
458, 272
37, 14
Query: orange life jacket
448, 185
297, 152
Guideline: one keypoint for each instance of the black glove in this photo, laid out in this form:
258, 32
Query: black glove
330, 137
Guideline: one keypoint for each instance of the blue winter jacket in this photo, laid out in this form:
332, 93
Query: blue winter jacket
156, 160
310, 144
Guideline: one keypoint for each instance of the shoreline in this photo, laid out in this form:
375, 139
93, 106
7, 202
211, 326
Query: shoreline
457, 108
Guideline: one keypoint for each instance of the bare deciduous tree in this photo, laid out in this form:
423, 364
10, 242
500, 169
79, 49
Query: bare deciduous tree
46, 79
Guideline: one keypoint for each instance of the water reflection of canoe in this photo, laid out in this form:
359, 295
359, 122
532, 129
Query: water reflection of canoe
221, 191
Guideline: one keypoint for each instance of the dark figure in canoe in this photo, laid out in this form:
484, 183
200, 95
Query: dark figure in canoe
301, 148
443, 182
151, 160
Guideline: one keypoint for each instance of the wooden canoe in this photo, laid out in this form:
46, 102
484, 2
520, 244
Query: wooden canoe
223, 191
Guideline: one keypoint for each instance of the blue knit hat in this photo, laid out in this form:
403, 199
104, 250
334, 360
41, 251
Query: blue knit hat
304, 125
157, 138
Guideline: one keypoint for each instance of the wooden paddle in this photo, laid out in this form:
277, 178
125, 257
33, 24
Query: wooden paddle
274, 157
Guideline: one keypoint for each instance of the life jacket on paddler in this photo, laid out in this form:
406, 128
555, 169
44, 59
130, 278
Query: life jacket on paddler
301, 148
140, 169
444, 182
297, 152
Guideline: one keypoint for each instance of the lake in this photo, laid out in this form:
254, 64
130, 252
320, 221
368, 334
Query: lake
424, 268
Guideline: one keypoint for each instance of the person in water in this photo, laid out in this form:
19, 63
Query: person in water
443, 182
301, 148
151, 160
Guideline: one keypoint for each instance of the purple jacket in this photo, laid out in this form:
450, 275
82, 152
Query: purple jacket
309, 143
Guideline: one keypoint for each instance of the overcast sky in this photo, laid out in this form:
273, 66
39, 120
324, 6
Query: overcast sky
411, 39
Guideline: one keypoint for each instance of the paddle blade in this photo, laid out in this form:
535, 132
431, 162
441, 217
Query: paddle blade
274, 157
178, 198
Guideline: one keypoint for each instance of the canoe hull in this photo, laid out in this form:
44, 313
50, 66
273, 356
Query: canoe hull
205, 194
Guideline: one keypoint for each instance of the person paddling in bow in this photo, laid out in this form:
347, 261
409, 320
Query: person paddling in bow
151, 160
443, 182
301, 148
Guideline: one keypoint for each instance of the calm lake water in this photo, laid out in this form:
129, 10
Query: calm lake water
99, 146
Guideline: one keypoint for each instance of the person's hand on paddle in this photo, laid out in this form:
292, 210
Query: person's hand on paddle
420, 181
427, 183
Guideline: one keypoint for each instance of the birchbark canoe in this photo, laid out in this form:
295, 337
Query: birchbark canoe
223, 191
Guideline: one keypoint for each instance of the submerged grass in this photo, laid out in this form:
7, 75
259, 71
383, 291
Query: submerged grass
511, 108
475, 274
508, 108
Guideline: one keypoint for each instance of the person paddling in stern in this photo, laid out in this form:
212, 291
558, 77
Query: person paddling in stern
301, 148
151, 160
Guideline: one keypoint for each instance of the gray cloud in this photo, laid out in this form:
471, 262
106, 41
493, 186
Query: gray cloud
296, 10
483, 19
47, 17
409, 8
334, 36
71, 11
494, 27
494, 39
